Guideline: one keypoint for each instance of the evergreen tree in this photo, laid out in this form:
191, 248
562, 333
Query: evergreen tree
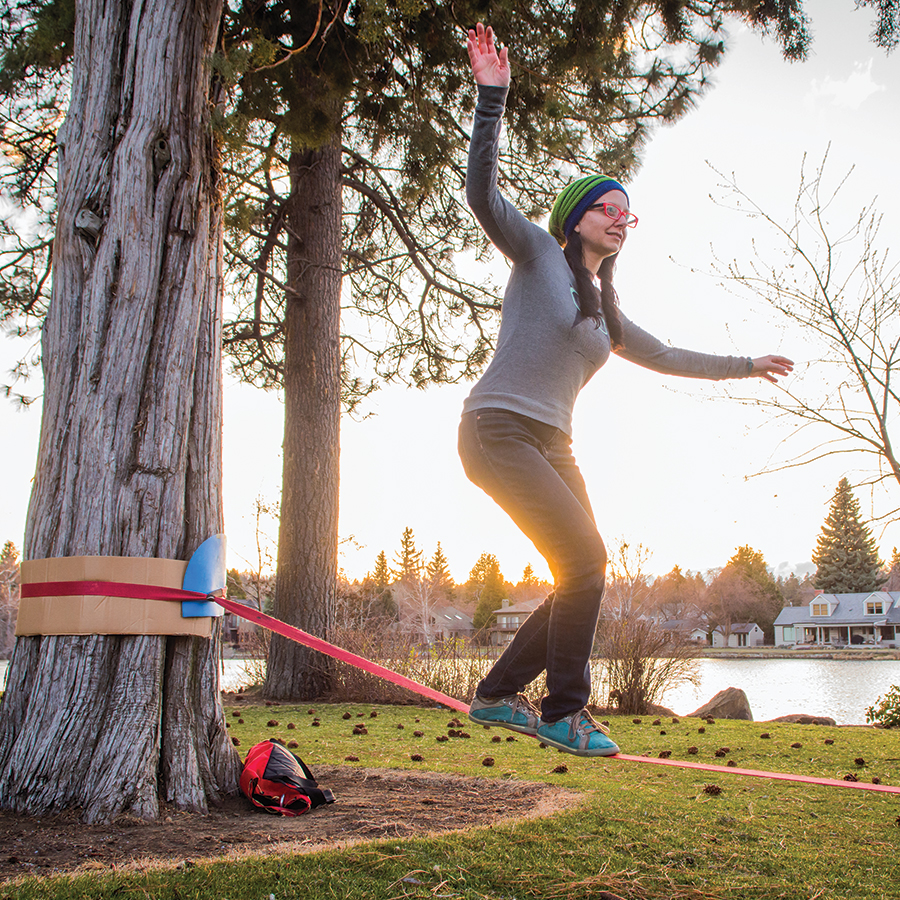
236, 585
486, 582
438, 573
408, 562
376, 590
381, 574
344, 137
893, 573
846, 556
528, 576
132, 393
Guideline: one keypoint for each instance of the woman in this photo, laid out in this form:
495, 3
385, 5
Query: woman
556, 330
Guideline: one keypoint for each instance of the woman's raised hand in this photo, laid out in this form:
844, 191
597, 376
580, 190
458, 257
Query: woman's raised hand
772, 367
488, 66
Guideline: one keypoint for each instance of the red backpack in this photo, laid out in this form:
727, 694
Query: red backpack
279, 782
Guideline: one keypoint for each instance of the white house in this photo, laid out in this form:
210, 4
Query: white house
840, 619
741, 634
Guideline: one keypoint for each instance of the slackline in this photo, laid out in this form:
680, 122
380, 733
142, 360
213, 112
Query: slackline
151, 592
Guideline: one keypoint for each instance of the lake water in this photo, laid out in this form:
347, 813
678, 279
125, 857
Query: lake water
841, 689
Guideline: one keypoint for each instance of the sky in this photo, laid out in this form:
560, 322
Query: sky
670, 464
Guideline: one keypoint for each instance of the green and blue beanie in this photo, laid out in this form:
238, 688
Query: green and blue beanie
573, 201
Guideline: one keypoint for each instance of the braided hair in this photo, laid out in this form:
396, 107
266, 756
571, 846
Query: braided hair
594, 304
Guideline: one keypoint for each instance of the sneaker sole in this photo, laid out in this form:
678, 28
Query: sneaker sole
602, 751
496, 723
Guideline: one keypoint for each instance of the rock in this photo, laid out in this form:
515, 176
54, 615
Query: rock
731, 703
801, 719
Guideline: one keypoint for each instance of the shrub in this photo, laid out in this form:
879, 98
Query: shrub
886, 711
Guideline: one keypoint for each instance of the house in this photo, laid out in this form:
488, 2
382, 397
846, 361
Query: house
693, 630
868, 618
741, 634
450, 623
509, 618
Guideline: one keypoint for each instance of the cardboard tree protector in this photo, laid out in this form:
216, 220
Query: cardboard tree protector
108, 613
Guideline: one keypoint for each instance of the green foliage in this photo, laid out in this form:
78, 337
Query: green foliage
886, 711
381, 574
487, 584
35, 36
590, 80
235, 585
846, 556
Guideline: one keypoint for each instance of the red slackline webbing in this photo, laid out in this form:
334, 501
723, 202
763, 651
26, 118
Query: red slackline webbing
152, 592
308, 640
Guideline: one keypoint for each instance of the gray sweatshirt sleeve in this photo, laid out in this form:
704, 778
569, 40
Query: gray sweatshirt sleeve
509, 231
645, 350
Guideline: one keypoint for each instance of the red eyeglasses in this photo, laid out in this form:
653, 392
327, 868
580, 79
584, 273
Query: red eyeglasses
611, 211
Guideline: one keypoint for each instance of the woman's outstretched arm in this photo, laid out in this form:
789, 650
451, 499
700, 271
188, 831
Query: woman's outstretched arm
508, 229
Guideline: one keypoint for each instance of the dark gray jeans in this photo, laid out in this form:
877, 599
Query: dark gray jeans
527, 467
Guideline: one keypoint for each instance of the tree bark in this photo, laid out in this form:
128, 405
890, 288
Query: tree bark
129, 462
308, 532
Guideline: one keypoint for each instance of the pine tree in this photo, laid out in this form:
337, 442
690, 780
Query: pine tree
487, 583
408, 562
846, 555
438, 573
381, 574
528, 576
893, 572
377, 585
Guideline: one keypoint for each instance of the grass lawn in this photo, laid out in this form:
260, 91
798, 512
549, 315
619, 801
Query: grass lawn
641, 831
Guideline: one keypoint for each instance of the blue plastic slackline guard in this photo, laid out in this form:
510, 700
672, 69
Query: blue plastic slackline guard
205, 574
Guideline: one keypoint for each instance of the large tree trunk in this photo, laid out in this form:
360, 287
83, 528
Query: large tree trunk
308, 534
130, 452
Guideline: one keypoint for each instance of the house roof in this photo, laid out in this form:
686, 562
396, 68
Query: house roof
524, 606
684, 625
452, 617
846, 609
739, 628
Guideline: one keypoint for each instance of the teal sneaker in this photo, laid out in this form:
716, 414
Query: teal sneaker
578, 734
515, 712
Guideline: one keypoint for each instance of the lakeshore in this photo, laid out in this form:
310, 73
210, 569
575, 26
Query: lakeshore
846, 653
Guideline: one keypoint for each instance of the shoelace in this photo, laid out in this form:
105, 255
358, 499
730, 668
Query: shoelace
586, 722
526, 706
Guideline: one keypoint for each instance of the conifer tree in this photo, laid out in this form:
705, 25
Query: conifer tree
344, 137
408, 562
846, 556
377, 584
486, 582
381, 574
893, 573
438, 573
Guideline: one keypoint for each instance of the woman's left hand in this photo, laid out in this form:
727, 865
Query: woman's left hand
769, 367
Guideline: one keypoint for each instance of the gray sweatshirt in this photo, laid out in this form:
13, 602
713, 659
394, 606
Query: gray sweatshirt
546, 350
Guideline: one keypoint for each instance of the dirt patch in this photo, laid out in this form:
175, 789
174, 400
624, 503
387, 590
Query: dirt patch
371, 804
